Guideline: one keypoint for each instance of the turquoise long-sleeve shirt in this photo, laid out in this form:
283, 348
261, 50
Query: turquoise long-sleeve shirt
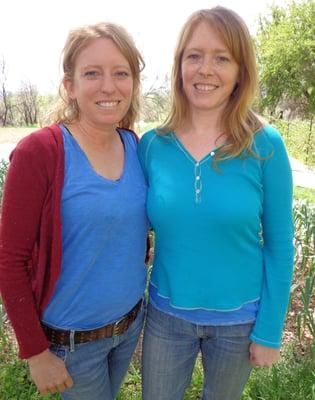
222, 238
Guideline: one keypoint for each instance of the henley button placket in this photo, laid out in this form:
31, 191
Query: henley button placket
198, 184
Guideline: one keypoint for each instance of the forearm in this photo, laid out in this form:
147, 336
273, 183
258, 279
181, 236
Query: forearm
24, 193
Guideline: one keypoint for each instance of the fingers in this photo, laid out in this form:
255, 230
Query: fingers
49, 373
68, 382
57, 388
263, 356
259, 363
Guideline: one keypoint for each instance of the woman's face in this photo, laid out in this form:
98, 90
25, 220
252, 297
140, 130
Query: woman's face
102, 84
209, 72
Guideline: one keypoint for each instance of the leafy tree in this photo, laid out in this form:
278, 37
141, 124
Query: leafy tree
286, 47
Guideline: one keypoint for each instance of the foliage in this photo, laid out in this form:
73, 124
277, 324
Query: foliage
26, 104
15, 382
46, 104
304, 281
286, 54
304, 194
155, 102
21, 107
297, 135
293, 378
6, 115
3, 171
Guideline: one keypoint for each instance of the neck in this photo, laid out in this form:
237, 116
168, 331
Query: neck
93, 135
203, 124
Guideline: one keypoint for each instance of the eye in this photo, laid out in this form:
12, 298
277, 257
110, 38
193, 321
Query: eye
91, 74
193, 56
221, 60
121, 74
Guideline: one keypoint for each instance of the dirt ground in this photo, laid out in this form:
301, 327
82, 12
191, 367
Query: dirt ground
13, 135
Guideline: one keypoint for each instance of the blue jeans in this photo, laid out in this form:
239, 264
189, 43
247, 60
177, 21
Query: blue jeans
170, 348
98, 368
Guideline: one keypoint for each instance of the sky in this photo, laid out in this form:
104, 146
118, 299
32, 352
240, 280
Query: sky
33, 32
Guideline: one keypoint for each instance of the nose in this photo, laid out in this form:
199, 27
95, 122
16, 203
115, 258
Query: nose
107, 84
206, 66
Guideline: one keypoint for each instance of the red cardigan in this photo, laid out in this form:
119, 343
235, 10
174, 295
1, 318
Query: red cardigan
30, 234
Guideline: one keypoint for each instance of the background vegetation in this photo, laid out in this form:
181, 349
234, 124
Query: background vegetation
286, 59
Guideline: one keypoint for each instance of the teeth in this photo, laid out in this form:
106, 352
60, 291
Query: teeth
205, 88
107, 104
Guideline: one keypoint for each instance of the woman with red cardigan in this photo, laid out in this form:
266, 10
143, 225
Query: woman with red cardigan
73, 225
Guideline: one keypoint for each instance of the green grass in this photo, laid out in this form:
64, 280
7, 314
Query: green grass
15, 382
293, 378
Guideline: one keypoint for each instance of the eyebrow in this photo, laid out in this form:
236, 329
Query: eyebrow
99, 66
217, 51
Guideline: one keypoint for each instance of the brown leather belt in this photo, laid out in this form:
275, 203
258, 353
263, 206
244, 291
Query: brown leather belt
60, 336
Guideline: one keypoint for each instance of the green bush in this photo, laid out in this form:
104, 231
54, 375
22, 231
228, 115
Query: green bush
299, 139
3, 170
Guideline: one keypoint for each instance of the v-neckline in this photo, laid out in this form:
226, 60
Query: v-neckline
91, 168
180, 144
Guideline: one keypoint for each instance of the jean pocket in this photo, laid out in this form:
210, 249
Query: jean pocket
235, 336
59, 350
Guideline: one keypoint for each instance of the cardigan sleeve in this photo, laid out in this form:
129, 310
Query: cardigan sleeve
277, 224
25, 190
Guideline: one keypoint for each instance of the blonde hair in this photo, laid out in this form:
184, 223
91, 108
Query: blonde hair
238, 119
67, 110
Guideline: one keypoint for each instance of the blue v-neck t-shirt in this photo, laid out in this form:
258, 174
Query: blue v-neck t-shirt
104, 228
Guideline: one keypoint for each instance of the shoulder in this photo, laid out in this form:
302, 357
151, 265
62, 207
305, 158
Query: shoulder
146, 142
268, 141
154, 136
42, 148
129, 135
269, 133
147, 136
45, 138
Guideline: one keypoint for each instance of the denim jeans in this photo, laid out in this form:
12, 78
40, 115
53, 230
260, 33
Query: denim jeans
170, 348
98, 368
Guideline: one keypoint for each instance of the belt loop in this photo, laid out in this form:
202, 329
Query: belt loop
71, 339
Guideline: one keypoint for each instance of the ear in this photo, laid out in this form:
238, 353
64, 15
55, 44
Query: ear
69, 87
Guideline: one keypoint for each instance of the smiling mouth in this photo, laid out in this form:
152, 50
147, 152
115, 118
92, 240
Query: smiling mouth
205, 88
108, 104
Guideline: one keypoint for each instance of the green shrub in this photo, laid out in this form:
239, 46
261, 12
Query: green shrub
3, 170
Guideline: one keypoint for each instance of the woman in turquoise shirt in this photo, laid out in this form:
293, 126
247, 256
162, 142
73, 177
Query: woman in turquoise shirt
220, 204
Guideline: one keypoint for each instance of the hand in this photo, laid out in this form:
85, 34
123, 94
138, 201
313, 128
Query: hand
263, 356
49, 373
